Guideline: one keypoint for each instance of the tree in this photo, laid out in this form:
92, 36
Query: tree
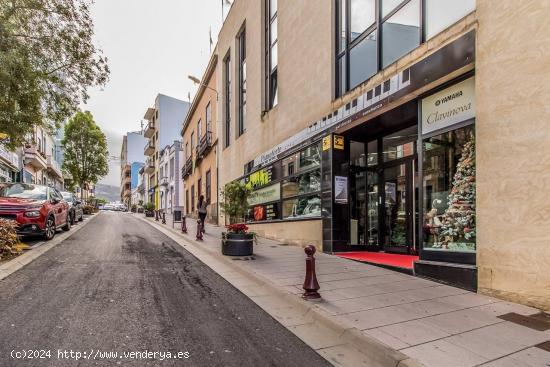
459, 220
85, 150
47, 62
235, 203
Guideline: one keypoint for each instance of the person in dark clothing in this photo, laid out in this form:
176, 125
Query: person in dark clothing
202, 207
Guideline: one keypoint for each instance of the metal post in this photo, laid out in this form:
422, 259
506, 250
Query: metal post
157, 215
311, 286
163, 218
183, 225
199, 230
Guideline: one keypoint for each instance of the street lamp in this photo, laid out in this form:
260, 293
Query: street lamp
197, 81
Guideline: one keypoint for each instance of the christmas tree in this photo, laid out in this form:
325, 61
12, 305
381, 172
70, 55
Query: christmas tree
459, 221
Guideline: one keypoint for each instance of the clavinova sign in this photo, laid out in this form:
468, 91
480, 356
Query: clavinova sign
449, 106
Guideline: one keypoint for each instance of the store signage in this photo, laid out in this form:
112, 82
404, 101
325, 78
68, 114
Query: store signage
259, 178
340, 189
455, 55
265, 212
338, 142
449, 106
264, 195
326, 143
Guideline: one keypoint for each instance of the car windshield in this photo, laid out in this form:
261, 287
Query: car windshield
24, 191
67, 195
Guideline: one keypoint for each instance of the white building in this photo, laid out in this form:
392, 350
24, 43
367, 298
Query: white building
170, 182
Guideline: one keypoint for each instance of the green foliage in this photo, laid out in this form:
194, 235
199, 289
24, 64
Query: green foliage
149, 207
235, 200
47, 62
85, 149
8, 238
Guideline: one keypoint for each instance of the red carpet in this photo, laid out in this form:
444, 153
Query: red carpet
400, 261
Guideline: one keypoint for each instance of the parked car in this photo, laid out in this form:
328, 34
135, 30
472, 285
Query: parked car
75, 206
37, 209
108, 207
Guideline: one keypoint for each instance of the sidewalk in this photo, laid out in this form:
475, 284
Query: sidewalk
435, 324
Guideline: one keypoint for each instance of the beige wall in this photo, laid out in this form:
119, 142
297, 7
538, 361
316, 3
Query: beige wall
209, 162
513, 150
298, 233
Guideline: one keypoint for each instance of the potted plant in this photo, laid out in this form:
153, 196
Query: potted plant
149, 209
237, 241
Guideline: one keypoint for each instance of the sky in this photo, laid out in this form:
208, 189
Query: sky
151, 46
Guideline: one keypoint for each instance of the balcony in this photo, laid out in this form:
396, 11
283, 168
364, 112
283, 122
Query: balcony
126, 191
149, 149
164, 181
186, 170
149, 166
9, 158
149, 130
35, 158
54, 167
205, 145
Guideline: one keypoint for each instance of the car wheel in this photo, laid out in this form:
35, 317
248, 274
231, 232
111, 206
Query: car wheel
49, 231
67, 226
81, 218
73, 219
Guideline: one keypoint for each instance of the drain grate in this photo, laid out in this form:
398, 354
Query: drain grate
539, 321
246, 258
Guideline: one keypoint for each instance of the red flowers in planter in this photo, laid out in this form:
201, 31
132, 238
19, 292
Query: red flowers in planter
237, 228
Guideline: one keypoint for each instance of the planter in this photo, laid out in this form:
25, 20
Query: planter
237, 244
149, 214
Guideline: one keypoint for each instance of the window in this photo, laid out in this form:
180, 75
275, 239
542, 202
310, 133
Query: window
227, 104
373, 34
208, 193
199, 132
449, 191
192, 198
271, 58
242, 82
192, 142
208, 116
171, 169
187, 151
199, 188
187, 201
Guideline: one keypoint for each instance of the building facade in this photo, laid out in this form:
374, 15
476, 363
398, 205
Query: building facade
163, 125
39, 160
171, 184
390, 126
10, 166
131, 160
200, 142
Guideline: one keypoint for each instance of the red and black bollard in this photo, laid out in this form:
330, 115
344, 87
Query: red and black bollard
183, 225
199, 230
163, 218
311, 286
157, 215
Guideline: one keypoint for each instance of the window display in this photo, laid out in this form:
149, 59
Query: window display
306, 159
450, 191
305, 183
302, 207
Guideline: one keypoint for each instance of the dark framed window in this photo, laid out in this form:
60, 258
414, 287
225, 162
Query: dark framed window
242, 82
208, 179
227, 101
199, 188
199, 132
192, 142
373, 34
271, 54
192, 198
187, 201
208, 116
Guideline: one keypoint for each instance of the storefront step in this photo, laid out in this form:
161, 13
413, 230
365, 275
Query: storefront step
458, 275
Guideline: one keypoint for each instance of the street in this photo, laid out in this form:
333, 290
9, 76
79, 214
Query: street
120, 286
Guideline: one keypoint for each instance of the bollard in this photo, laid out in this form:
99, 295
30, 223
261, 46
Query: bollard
163, 218
157, 215
199, 230
183, 225
311, 286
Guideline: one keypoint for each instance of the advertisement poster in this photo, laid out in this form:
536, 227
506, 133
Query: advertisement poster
264, 195
341, 189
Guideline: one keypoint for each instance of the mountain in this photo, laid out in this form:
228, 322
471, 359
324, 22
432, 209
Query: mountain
108, 192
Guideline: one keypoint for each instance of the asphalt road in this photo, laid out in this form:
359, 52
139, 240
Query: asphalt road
118, 285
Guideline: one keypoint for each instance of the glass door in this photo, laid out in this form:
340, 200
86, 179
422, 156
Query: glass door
398, 218
373, 212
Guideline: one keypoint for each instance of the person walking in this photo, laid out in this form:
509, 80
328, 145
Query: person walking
202, 212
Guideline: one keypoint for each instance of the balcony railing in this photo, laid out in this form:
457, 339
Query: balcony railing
35, 158
149, 148
164, 181
54, 167
149, 166
205, 145
149, 130
9, 157
186, 170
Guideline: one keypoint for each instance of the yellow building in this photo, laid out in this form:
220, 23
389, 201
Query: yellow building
200, 147
413, 127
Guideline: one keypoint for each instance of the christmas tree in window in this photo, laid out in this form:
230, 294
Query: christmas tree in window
458, 229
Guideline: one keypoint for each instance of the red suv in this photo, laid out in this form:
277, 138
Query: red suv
38, 210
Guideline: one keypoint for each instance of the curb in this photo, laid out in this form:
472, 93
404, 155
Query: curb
372, 351
20, 261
